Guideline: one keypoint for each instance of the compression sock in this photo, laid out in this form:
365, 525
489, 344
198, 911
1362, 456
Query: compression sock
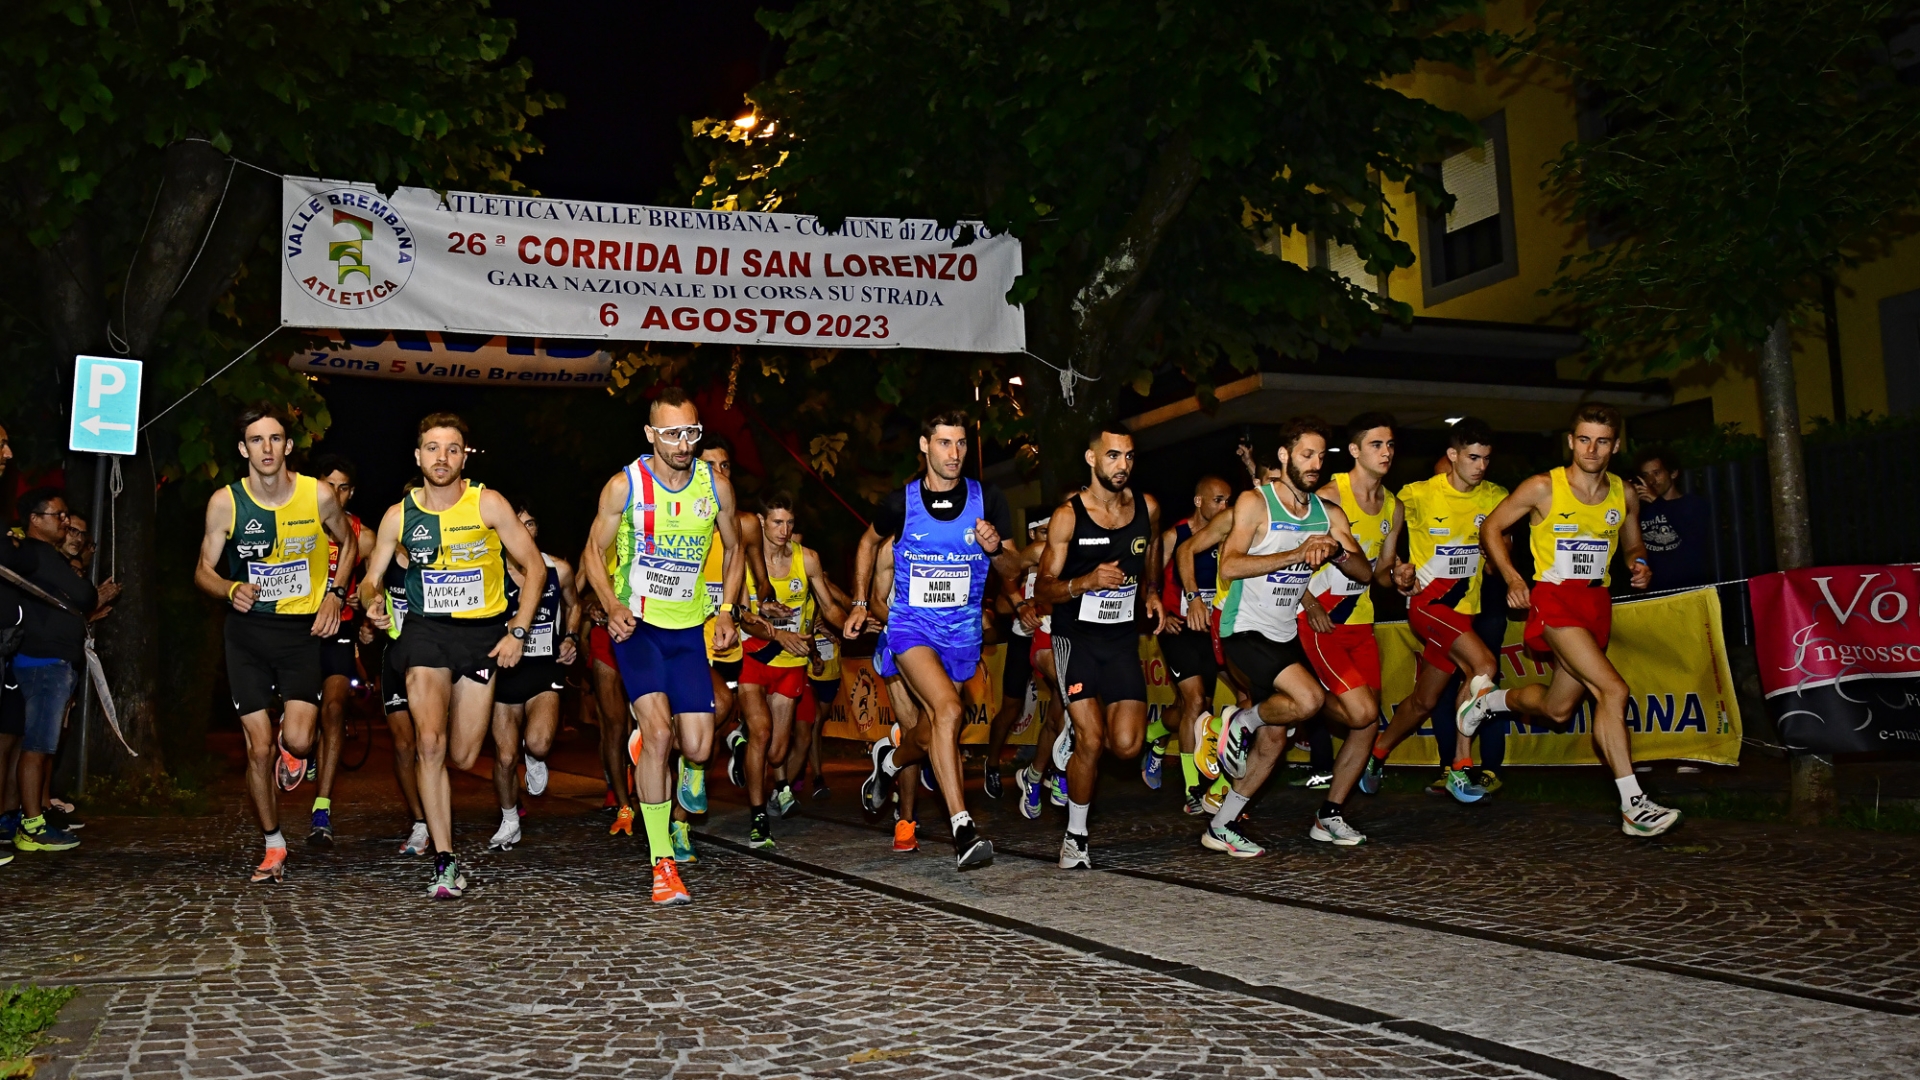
1230, 809
655, 816
1329, 808
1629, 791
1077, 817
323, 804
1189, 771
1036, 772
1157, 730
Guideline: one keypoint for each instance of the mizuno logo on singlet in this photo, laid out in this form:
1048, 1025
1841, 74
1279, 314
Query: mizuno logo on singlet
918, 536
254, 528
1567, 514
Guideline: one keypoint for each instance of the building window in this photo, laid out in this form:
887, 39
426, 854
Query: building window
1345, 260
1471, 246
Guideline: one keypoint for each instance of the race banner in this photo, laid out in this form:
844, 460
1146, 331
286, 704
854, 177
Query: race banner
1670, 649
1840, 656
536, 267
466, 359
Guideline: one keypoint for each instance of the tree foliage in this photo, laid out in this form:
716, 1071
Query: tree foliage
130, 133
1751, 148
1148, 156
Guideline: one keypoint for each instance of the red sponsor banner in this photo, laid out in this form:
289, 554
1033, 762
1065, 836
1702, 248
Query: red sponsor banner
1839, 654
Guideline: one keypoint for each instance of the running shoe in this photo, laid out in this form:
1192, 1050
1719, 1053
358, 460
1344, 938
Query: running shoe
736, 758
820, 791
272, 868
1193, 807
1462, 787
692, 791
321, 834
5, 858
905, 837
46, 836
313, 768
668, 889
1073, 853
507, 835
1313, 781
634, 745
289, 770
57, 803
1063, 747
1216, 795
680, 834
928, 782
1372, 775
1438, 785
1031, 794
536, 776
991, 783
878, 785
417, 840
448, 882
1648, 818
1333, 829
1056, 789
1473, 705
1235, 749
9, 825
783, 801
1206, 754
622, 822
1488, 780
1229, 839
1151, 763
760, 833
970, 849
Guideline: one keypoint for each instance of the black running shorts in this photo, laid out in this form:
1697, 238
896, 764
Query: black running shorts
1017, 669
1261, 659
459, 647
393, 679
1099, 667
1189, 655
271, 656
728, 670
336, 655
527, 680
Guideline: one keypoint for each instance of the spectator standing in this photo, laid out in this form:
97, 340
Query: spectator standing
1676, 526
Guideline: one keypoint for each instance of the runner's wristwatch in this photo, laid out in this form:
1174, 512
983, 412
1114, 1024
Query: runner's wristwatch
519, 632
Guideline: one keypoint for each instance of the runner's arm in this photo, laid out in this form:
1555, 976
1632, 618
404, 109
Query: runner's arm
862, 582
1390, 548
497, 514
732, 566
1249, 514
753, 541
373, 593
1349, 560
1531, 497
1048, 588
824, 594
569, 648
1154, 606
326, 621
212, 544
1170, 547
1633, 548
606, 525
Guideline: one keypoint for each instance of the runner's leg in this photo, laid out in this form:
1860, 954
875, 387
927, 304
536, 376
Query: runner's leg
616, 724
429, 697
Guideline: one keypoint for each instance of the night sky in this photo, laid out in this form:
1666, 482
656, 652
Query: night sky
634, 75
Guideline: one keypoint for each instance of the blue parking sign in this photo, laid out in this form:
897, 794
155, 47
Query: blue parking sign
106, 405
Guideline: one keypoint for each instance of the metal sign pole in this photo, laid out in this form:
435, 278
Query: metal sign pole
100, 467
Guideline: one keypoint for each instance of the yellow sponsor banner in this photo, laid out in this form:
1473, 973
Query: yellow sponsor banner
1670, 650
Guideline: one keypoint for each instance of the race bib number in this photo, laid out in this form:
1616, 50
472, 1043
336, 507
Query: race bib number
1287, 585
716, 592
792, 624
1454, 561
278, 581
1580, 560
939, 586
539, 640
657, 579
1108, 606
449, 592
825, 648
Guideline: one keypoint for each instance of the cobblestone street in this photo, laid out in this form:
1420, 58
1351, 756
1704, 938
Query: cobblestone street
1505, 939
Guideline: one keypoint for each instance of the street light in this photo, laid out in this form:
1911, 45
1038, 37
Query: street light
746, 123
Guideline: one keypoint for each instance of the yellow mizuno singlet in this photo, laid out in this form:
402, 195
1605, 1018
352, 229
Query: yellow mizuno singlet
1575, 541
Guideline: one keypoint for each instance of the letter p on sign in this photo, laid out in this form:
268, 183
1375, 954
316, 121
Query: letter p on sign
106, 405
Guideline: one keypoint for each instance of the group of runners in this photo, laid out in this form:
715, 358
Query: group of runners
690, 609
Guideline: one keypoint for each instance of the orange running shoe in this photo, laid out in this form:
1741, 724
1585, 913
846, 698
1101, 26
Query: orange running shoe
633, 746
904, 838
272, 868
622, 822
668, 889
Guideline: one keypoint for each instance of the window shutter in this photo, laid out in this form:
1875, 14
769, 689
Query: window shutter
1470, 177
1346, 262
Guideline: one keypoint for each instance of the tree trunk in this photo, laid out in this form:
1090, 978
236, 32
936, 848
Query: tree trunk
129, 639
1811, 789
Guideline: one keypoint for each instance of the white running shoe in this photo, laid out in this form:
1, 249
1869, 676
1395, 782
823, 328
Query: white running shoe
1333, 829
1648, 818
1236, 746
1473, 705
417, 841
507, 835
1073, 853
1063, 747
536, 776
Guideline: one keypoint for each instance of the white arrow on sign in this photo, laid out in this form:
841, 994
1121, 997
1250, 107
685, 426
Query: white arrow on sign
97, 425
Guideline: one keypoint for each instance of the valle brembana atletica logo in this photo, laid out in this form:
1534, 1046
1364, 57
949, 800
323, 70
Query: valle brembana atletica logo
348, 248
